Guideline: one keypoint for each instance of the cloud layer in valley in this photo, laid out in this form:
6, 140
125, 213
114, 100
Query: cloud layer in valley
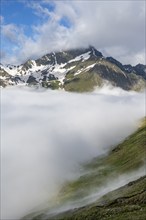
46, 135
116, 28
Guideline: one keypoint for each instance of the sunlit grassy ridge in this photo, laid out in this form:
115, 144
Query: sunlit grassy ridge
80, 79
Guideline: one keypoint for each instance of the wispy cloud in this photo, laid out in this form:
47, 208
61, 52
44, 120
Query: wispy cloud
1, 19
39, 9
13, 33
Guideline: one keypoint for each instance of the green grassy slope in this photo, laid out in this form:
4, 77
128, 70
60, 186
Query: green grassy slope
130, 206
127, 202
126, 157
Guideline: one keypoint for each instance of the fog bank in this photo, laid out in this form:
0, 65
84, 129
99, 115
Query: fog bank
47, 134
98, 193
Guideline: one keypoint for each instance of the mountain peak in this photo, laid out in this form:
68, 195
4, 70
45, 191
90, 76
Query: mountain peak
95, 52
78, 69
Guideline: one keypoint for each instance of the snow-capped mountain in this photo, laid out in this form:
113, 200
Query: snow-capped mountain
74, 70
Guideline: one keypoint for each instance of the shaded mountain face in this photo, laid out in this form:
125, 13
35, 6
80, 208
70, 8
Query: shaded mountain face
79, 70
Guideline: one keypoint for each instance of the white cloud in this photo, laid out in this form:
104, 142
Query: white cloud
108, 25
1, 19
47, 134
38, 9
13, 33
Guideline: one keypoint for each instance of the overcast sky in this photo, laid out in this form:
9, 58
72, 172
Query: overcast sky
33, 28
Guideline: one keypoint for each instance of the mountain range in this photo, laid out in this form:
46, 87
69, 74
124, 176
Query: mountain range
79, 70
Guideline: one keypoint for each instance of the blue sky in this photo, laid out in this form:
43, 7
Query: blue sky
31, 28
21, 13
25, 15
17, 12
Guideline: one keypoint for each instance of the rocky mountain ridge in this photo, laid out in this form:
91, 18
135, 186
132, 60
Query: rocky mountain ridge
77, 70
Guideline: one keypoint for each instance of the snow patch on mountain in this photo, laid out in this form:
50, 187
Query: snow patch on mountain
89, 67
10, 69
82, 57
84, 69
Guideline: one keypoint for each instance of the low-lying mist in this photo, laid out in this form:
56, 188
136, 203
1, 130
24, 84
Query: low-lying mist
46, 135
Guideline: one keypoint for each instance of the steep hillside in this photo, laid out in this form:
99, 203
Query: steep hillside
126, 157
127, 202
79, 70
102, 192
